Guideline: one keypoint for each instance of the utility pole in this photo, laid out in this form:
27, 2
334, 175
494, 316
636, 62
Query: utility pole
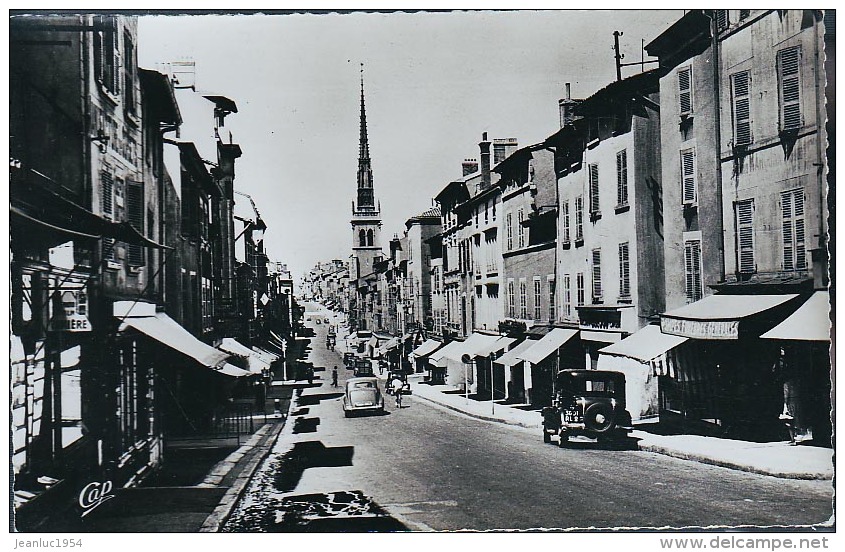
618, 57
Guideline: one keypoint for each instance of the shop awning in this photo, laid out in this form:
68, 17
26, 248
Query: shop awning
277, 337
254, 361
513, 356
373, 342
265, 355
718, 316
168, 332
547, 345
428, 347
70, 357
644, 345
811, 322
500, 344
390, 344
439, 357
457, 349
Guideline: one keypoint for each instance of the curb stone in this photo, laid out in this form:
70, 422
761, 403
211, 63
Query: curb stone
657, 449
223, 511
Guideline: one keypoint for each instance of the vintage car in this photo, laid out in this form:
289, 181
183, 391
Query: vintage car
362, 395
589, 403
363, 367
349, 360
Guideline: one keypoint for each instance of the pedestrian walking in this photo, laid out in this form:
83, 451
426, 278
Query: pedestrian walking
334, 376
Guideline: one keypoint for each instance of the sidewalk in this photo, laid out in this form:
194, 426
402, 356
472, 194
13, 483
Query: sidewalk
776, 459
188, 509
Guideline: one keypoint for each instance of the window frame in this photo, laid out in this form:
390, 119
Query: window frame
783, 104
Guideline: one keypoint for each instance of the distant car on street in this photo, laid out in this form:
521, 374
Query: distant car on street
363, 367
362, 395
589, 403
349, 360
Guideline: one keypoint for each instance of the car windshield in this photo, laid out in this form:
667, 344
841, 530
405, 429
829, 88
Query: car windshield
363, 385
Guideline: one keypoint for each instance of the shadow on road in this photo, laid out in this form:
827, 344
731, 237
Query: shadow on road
300, 412
309, 454
312, 400
622, 444
337, 512
305, 425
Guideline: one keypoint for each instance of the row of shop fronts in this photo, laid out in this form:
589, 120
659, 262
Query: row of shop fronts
746, 366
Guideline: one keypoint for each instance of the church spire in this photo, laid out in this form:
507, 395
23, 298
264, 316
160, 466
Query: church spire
365, 171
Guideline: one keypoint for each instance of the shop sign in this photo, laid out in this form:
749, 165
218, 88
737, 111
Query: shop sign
72, 312
93, 495
700, 329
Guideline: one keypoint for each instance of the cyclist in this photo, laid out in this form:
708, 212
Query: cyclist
396, 386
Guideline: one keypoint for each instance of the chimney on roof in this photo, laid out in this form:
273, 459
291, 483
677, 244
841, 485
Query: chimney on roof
567, 108
469, 166
484, 146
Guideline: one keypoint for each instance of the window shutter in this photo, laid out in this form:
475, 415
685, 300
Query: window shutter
622, 177
135, 217
745, 235
685, 90
597, 295
624, 271
742, 108
567, 296
107, 193
579, 218
692, 267
579, 281
790, 85
688, 185
594, 188
722, 20
565, 209
509, 225
537, 299
794, 250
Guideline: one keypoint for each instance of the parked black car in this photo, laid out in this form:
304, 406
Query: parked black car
590, 403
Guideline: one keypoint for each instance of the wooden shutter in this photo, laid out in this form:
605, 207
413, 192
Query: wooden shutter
745, 236
107, 191
594, 188
622, 177
624, 271
567, 296
685, 90
692, 268
794, 249
135, 217
688, 184
722, 19
597, 289
790, 88
579, 282
565, 213
579, 218
742, 108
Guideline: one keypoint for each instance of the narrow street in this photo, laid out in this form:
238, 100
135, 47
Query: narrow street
430, 469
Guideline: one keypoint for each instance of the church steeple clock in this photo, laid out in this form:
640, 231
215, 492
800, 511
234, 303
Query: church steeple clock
366, 216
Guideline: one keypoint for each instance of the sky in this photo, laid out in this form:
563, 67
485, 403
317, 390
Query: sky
433, 81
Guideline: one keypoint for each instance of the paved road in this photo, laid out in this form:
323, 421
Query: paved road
437, 470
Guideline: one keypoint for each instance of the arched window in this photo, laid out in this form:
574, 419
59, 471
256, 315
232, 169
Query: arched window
370, 237
362, 238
